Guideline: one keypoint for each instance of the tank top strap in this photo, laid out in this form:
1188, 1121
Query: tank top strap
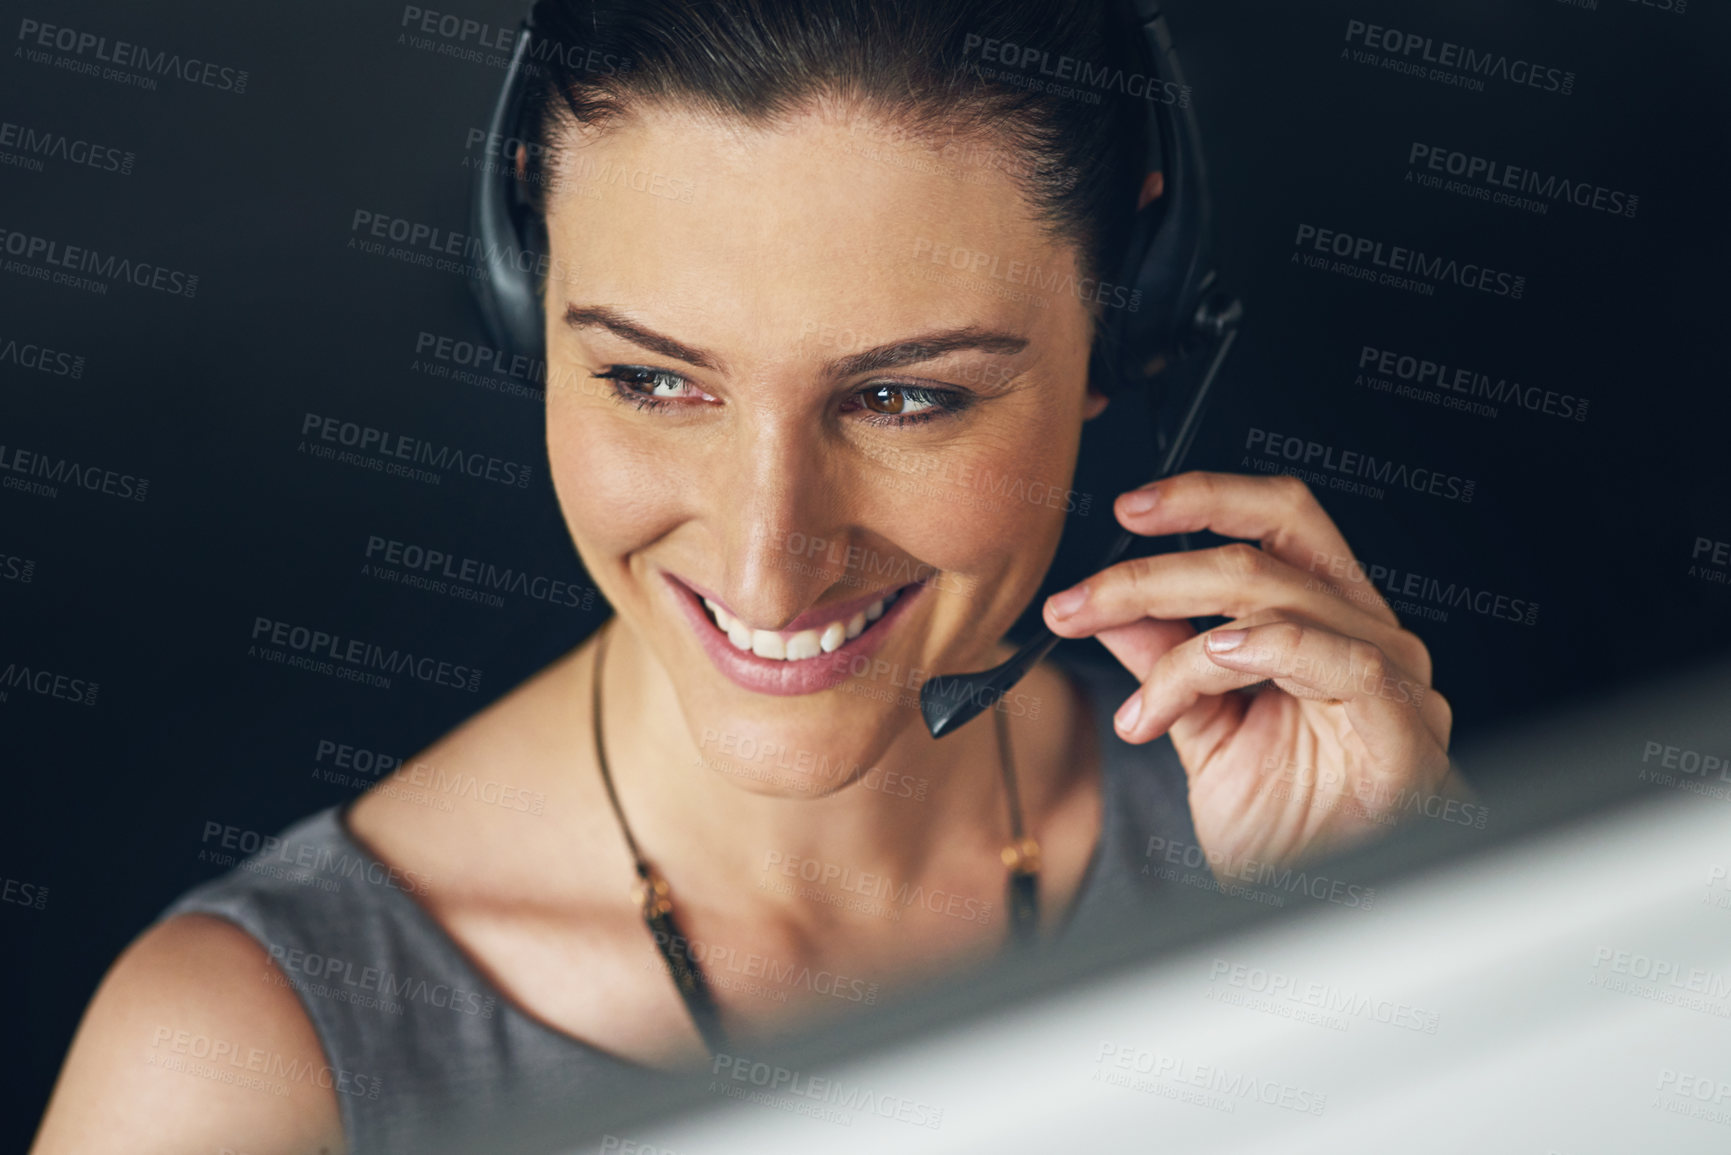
411, 1030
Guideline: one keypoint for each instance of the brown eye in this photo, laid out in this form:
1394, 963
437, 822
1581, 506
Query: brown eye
903, 404
886, 399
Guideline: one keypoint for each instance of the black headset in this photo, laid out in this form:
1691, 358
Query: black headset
1168, 263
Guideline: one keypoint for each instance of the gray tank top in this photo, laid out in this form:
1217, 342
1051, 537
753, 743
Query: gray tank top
411, 1029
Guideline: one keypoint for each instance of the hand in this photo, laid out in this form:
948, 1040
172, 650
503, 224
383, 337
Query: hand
1309, 719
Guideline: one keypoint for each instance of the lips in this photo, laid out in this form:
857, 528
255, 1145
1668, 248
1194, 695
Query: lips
818, 652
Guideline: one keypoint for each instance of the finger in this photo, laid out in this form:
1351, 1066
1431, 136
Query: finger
1235, 581
1380, 699
1139, 645
1278, 512
1396, 715
1178, 681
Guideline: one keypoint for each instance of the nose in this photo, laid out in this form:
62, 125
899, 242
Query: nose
777, 486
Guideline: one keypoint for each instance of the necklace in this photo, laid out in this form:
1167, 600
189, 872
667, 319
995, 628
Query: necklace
654, 897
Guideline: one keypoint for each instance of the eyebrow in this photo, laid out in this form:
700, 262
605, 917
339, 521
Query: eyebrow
908, 351
602, 317
928, 347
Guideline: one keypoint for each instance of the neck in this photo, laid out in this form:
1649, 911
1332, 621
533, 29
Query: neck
926, 810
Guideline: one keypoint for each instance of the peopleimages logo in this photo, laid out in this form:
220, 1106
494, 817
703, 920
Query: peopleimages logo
48, 684
381, 981
877, 886
1674, 7
446, 572
65, 260
1353, 463
1437, 382
360, 656
469, 362
478, 42
245, 1062
718, 962
1069, 70
41, 359
1267, 875
56, 471
22, 893
402, 448
780, 1081
978, 262
1420, 269
1401, 584
1453, 62
446, 250
123, 54
1499, 182
482, 358
1231, 1085
265, 851
1714, 985
1326, 997
34, 145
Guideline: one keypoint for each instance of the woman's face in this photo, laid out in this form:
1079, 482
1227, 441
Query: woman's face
796, 371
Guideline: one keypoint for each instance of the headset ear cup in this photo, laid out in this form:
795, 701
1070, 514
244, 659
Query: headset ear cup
1169, 268
1103, 375
502, 220
1124, 330
1138, 337
535, 240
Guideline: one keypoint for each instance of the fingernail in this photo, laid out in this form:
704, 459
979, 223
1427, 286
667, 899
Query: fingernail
1129, 712
1140, 501
1068, 602
1219, 641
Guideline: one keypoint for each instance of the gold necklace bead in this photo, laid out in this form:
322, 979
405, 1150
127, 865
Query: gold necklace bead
1022, 856
652, 895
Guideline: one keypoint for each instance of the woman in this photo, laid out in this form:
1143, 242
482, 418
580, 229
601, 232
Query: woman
768, 358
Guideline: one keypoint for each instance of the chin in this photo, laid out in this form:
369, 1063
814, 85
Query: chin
805, 749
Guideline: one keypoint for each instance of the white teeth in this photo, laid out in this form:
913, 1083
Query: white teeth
803, 644
722, 618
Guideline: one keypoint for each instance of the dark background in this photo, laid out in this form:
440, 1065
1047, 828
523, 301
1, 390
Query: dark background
155, 600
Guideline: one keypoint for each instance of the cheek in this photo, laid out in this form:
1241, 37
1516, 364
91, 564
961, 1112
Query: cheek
988, 509
614, 492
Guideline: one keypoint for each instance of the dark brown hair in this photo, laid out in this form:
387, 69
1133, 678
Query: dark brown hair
934, 68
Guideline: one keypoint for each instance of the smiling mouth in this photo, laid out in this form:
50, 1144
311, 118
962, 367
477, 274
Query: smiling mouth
799, 645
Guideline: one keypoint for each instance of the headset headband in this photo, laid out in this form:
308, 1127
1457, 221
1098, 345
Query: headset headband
499, 212
1169, 261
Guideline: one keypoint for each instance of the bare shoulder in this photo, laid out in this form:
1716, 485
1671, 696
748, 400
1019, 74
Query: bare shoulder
475, 805
526, 871
185, 1048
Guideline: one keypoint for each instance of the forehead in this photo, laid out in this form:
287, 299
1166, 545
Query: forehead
824, 219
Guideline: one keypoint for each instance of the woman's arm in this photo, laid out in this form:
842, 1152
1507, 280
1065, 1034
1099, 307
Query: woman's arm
188, 1047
